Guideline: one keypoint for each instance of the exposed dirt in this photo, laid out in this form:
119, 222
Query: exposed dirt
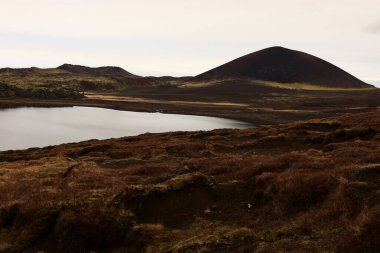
309, 186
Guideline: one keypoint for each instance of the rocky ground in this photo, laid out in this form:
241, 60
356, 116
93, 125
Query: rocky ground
307, 186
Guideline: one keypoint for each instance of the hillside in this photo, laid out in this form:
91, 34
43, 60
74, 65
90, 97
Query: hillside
66, 81
310, 186
277, 68
278, 64
114, 72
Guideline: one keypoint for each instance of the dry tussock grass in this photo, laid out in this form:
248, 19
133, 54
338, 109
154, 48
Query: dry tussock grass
201, 191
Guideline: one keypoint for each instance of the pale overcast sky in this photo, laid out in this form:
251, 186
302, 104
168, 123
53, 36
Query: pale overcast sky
187, 37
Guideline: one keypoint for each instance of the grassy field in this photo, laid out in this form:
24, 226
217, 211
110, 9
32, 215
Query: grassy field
289, 86
309, 186
115, 97
305, 86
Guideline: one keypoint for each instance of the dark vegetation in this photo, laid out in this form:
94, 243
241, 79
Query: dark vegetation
310, 186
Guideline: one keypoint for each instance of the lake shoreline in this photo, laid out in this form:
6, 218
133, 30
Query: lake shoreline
259, 116
27, 127
217, 111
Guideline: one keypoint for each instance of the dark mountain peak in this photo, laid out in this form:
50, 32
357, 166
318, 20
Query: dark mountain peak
276, 48
104, 71
279, 64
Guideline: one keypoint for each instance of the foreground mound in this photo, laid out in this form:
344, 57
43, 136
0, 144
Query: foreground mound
278, 64
301, 187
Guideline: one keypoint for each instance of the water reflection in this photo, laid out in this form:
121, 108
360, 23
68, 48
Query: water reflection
37, 127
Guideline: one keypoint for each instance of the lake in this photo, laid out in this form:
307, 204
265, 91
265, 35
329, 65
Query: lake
28, 127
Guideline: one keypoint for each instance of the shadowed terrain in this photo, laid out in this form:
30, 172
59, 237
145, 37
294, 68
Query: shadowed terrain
310, 186
283, 65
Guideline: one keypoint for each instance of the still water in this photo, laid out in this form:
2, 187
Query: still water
28, 127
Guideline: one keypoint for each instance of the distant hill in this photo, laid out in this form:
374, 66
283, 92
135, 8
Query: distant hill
71, 81
114, 72
274, 69
66, 81
278, 64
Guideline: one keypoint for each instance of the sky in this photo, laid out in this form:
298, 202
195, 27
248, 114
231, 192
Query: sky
187, 37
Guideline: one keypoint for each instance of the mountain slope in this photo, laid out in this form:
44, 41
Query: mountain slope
101, 71
278, 64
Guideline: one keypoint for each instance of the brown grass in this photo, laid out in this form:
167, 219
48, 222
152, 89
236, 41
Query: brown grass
217, 191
